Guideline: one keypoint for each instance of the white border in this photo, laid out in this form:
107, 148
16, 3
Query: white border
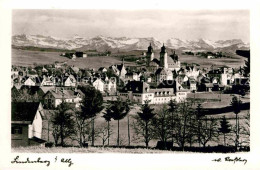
129, 161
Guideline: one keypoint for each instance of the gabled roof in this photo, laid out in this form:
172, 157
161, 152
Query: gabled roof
160, 70
31, 89
135, 87
65, 93
35, 79
120, 67
24, 111
168, 84
155, 60
210, 85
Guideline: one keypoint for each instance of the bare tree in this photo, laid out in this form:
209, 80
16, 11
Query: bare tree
143, 124
182, 130
209, 131
108, 116
172, 108
236, 105
246, 129
162, 125
104, 132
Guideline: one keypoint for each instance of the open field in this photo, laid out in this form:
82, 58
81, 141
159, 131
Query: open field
27, 58
215, 100
37, 149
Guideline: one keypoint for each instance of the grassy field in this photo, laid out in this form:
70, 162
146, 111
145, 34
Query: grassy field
215, 100
27, 58
37, 149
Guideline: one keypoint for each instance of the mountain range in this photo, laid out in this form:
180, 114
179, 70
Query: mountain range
102, 43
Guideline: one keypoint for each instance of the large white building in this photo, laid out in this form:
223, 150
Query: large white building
139, 92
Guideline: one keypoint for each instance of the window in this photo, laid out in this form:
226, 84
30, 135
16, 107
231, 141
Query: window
17, 130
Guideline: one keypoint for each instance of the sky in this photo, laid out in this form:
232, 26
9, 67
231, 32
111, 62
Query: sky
161, 24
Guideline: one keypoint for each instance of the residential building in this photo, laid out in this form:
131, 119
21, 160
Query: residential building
139, 92
55, 96
26, 124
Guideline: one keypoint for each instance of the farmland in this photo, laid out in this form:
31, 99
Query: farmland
27, 58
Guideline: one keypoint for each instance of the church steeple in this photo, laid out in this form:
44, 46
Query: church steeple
163, 49
123, 60
163, 57
150, 48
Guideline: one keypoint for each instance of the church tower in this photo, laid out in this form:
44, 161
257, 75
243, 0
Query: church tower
149, 55
163, 57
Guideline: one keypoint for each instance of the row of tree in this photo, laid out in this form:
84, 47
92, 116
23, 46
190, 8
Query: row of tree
177, 123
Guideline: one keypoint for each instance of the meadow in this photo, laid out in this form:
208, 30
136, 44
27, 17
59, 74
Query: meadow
28, 58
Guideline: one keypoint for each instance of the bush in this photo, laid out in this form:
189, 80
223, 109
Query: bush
160, 145
49, 144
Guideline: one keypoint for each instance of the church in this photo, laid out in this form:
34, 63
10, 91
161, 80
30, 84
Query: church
164, 67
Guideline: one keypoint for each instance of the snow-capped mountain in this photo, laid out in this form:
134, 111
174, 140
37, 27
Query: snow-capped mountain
102, 43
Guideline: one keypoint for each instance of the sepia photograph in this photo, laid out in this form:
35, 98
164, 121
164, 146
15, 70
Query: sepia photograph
133, 85
130, 81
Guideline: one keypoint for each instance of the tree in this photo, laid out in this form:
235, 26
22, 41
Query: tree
209, 131
224, 128
172, 107
91, 105
236, 105
104, 132
198, 116
142, 124
62, 122
128, 109
247, 67
162, 125
182, 132
118, 112
108, 116
246, 129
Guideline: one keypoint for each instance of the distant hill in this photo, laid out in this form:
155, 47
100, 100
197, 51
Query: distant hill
102, 43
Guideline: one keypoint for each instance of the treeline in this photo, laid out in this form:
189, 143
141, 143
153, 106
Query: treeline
175, 123
214, 55
31, 48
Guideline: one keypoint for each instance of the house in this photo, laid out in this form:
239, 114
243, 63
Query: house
136, 91
48, 81
69, 81
122, 70
74, 69
132, 76
192, 71
139, 92
102, 70
26, 124
99, 84
44, 70
193, 84
110, 86
81, 55
33, 91
33, 81
163, 74
55, 96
